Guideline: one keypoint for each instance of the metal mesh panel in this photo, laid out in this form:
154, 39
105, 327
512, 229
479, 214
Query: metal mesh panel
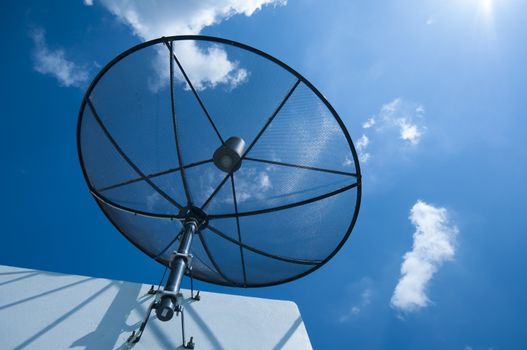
137, 112
139, 196
152, 235
202, 181
263, 185
223, 201
305, 132
198, 141
207, 262
103, 164
203, 270
309, 232
262, 270
241, 100
149, 127
172, 185
229, 257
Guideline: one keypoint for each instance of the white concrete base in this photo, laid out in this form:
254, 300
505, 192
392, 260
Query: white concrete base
43, 310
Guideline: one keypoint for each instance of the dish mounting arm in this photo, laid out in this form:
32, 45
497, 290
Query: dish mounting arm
179, 262
169, 300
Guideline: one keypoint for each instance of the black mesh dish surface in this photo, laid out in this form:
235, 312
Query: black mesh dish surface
149, 125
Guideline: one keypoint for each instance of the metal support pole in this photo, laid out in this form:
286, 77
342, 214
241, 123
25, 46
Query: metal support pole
178, 264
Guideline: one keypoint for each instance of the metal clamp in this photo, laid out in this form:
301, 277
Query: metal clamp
187, 257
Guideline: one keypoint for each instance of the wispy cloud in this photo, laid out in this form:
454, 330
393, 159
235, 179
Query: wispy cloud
405, 116
54, 62
152, 19
360, 294
398, 127
368, 123
253, 184
410, 132
356, 309
88, 2
362, 144
433, 244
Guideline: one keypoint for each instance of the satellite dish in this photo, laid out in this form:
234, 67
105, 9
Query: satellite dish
208, 153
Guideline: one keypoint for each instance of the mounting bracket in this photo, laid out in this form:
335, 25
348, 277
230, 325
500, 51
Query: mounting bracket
169, 300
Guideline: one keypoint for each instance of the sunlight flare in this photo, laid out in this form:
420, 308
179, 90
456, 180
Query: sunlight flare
486, 7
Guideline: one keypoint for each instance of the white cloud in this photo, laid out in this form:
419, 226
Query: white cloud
157, 18
410, 132
396, 129
263, 181
356, 309
368, 123
88, 2
364, 157
253, 184
390, 107
206, 68
362, 143
348, 161
433, 244
406, 117
54, 63
152, 200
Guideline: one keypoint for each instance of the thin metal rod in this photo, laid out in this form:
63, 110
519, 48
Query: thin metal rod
103, 200
174, 125
302, 166
196, 94
191, 284
206, 203
286, 206
269, 121
261, 252
153, 175
183, 327
162, 278
238, 229
332, 184
128, 160
271, 118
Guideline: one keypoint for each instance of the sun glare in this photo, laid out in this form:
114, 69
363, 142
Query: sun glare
486, 6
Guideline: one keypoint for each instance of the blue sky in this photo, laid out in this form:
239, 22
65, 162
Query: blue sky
433, 94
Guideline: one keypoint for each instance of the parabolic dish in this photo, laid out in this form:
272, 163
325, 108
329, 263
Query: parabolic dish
150, 124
